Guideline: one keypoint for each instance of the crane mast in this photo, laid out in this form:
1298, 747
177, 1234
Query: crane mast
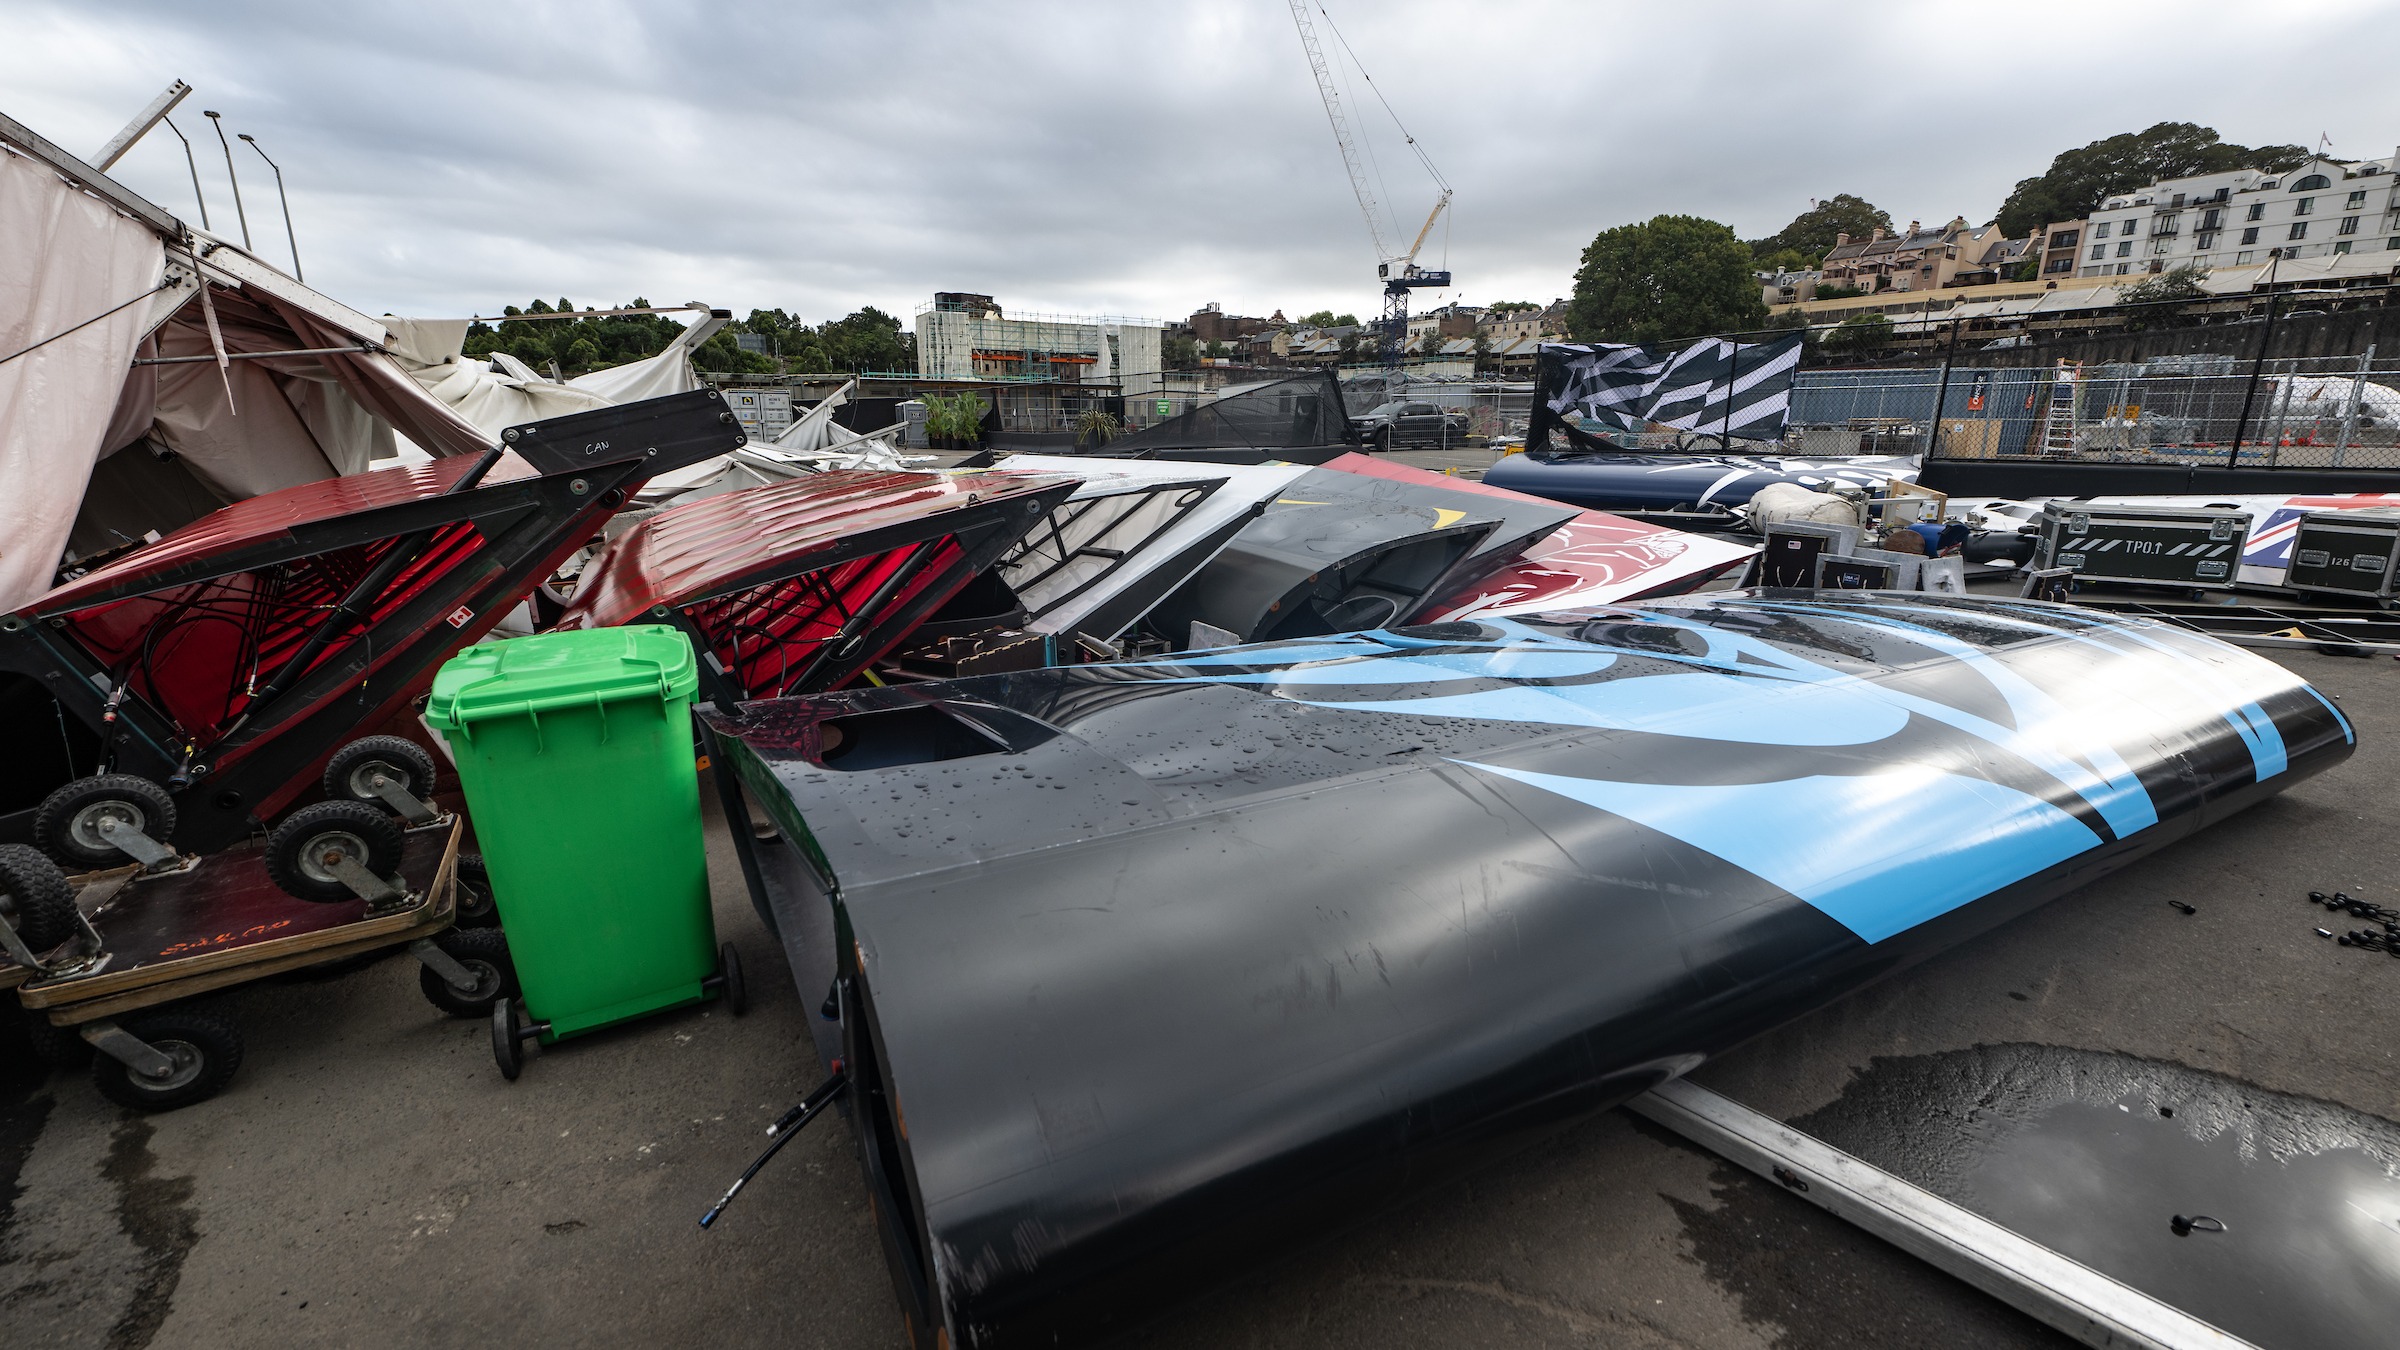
1398, 272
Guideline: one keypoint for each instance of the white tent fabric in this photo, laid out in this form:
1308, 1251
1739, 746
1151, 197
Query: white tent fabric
58, 399
499, 391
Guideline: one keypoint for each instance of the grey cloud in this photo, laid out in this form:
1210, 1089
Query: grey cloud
1121, 158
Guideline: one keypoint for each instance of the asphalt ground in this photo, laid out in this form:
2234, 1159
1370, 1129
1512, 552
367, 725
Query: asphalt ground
370, 1179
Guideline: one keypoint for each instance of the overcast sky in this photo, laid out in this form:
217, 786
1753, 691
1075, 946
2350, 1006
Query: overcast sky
1110, 157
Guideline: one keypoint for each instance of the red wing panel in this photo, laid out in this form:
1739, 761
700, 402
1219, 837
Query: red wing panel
738, 540
1596, 558
771, 635
274, 515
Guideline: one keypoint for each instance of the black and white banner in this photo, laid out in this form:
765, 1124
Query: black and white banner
1740, 389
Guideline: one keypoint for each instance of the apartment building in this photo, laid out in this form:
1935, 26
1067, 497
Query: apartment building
2240, 217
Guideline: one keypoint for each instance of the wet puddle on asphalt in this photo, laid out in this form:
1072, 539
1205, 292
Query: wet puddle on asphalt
2096, 1155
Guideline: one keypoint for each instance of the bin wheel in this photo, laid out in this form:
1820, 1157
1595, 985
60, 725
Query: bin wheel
67, 823
476, 908
508, 1049
206, 1050
484, 952
34, 898
355, 765
729, 970
300, 848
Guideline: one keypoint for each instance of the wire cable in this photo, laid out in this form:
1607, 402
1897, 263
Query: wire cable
164, 284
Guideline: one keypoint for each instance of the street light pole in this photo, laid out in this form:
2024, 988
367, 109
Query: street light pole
217, 120
194, 165
2266, 334
289, 237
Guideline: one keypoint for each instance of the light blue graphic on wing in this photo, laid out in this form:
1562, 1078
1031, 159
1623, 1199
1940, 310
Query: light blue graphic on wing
1703, 705
1878, 853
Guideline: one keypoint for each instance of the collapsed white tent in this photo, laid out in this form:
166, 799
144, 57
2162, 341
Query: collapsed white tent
151, 372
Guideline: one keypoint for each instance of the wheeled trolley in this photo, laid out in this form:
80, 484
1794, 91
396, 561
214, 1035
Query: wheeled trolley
145, 943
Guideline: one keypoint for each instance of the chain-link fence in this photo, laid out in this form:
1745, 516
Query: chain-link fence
2298, 413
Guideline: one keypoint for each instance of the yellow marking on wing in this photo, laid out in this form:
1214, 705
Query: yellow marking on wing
1444, 517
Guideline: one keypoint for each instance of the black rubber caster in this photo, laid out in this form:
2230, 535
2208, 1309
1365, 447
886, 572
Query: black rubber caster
205, 1050
508, 1039
484, 952
729, 973
67, 823
303, 849
35, 898
352, 769
476, 908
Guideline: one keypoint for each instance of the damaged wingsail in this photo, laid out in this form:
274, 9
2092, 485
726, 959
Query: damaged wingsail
1147, 970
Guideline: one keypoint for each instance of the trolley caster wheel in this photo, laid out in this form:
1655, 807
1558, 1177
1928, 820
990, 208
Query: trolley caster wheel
484, 952
729, 979
67, 823
476, 907
510, 1031
303, 850
203, 1052
350, 774
35, 898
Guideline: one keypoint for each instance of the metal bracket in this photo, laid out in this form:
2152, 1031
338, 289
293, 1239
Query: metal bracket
127, 1049
442, 963
380, 895
396, 795
134, 844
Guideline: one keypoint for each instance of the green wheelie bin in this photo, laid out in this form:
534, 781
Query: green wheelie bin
574, 750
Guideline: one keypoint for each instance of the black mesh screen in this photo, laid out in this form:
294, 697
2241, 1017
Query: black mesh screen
1303, 411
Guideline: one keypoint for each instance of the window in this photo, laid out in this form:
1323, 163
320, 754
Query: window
2065, 238
2123, 268
2125, 250
2258, 211
2100, 231
2211, 218
2342, 247
2349, 225
2099, 251
2130, 227
2162, 246
2250, 236
2357, 199
2204, 242
2311, 183
2393, 242
2304, 206
2166, 225
2299, 230
2245, 256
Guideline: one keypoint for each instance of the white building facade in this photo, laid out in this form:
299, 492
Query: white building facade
2238, 217
968, 337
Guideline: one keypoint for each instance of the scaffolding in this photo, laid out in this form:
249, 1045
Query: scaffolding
969, 337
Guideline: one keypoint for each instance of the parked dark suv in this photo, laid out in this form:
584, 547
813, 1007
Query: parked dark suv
1391, 425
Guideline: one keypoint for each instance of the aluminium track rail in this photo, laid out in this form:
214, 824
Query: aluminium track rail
2056, 1290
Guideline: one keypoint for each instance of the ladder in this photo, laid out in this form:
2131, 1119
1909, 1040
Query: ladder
2058, 420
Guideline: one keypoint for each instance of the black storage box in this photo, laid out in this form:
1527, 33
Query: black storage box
2144, 545
2345, 552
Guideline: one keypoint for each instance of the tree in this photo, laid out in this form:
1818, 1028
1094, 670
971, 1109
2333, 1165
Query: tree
1215, 351
1811, 233
1669, 277
1509, 307
868, 339
1483, 350
1860, 333
2079, 180
1179, 351
1326, 318
1786, 260
2165, 293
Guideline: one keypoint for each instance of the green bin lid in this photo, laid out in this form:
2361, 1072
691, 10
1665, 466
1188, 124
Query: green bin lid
573, 668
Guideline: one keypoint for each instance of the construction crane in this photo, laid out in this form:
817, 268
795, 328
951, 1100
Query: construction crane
1398, 271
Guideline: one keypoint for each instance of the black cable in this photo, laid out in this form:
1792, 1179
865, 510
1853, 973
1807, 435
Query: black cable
162, 285
783, 1130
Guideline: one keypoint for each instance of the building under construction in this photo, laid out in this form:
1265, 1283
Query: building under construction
962, 335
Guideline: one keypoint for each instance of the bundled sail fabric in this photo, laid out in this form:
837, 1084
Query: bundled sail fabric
1736, 388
